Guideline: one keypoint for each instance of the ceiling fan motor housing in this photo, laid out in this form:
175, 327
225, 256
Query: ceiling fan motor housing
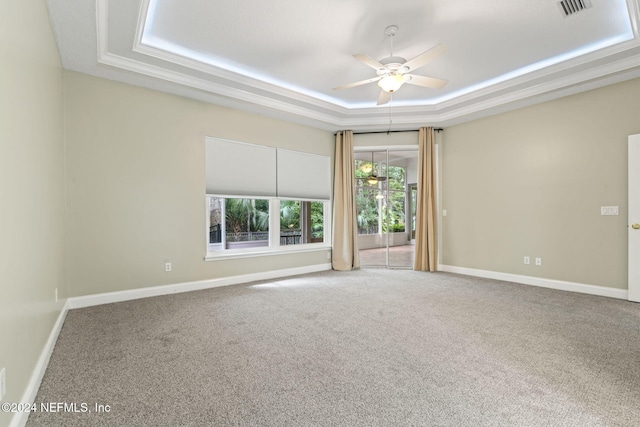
392, 65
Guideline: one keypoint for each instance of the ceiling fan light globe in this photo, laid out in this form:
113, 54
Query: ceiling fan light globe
391, 83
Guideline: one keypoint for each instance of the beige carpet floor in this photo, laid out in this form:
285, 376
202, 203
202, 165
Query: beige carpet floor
365, 348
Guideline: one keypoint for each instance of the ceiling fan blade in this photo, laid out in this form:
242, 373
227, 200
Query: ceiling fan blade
431, 82
384, 97
361, 82
367, 60
424, 58
376, 178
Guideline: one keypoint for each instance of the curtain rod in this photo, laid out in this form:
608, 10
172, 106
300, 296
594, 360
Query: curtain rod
393, 131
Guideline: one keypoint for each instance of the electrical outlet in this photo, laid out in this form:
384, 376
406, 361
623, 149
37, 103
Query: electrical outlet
444, 212
328, 255
538, 261
167, 266
3, 384
527, 260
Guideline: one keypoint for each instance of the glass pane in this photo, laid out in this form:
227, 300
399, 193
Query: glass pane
238, 223
370, 207
301, 222
402, 170
317, 222
414, 201
397, 177
367, 211
290, 233
395, 218
247, 220
362, 168
216, 213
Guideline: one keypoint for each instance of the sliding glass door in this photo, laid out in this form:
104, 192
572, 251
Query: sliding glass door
383, 201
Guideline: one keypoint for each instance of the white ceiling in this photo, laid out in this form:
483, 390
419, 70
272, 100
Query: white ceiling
283, 57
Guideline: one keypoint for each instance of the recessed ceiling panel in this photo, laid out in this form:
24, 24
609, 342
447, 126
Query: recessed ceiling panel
283, 58
308, 45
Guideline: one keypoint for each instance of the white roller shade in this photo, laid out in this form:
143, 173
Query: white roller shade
303, 175
236, 168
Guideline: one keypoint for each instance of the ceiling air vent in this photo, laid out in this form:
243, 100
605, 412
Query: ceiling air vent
571, 7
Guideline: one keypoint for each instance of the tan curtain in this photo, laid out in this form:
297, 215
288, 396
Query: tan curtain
426, 249
345, 228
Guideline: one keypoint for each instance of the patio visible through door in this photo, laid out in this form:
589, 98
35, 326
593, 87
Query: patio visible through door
385, 184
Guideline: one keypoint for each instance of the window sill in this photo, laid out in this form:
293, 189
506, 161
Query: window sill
312, 247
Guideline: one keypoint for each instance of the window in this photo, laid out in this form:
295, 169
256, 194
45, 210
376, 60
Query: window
245, 225
265, 199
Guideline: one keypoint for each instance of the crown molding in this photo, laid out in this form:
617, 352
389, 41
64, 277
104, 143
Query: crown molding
589, 71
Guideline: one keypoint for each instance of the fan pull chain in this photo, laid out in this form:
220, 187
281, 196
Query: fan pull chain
390, 116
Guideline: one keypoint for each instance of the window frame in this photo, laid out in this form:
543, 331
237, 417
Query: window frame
274, 247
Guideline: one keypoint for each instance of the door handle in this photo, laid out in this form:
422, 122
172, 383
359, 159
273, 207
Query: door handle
635, 226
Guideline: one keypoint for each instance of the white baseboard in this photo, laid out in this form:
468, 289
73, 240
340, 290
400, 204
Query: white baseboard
561, 285
20, 418
131, 294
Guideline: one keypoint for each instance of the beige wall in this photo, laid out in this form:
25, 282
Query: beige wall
31, 190
531, 182
136, 185
385, 140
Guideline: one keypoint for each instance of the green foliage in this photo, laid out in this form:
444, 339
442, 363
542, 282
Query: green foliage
362, 168
252, 216
390, 212
317, 219
289, 215
397, 228
244, 215
367, 215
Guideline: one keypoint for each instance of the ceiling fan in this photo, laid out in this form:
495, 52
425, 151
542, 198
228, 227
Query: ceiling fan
393, 72
373, 179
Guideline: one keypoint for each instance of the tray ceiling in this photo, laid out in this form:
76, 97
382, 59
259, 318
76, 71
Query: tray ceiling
283, 58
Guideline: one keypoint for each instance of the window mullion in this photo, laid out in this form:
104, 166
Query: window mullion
274, 223
223, 223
